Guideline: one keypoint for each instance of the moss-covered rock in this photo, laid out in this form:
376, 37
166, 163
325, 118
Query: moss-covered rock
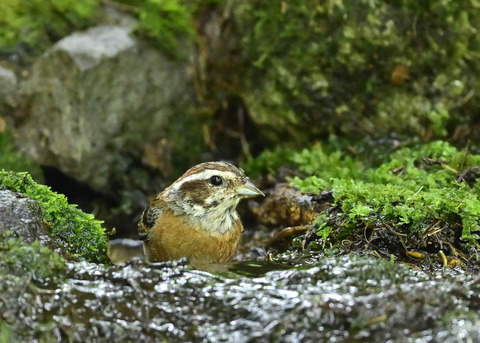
31, 261
166, 24
78, 234
408, 202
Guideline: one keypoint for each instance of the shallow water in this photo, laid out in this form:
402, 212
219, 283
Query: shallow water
342, 299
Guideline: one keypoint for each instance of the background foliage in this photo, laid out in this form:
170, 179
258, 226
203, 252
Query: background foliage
362, 67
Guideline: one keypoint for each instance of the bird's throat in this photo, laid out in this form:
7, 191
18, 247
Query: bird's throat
216, 221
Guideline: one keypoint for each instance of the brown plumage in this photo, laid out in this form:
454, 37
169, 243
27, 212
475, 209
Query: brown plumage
195, 217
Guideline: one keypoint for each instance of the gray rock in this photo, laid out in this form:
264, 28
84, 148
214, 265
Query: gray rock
89, 49
94, 95
23, 217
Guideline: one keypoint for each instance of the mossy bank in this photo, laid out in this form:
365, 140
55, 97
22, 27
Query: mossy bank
76, 234
408, 203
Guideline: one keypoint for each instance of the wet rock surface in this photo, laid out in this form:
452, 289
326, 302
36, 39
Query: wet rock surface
350, 298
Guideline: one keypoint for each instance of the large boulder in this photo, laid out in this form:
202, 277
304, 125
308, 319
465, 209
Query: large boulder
95, 95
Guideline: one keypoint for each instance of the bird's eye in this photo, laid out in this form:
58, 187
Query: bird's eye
216, 180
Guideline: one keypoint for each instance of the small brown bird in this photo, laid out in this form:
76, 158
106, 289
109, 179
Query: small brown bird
196, 217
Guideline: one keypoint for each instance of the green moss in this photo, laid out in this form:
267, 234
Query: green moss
331, 163
323, 229
38, 23
268, 161
411, 190
166, 24
81, 234
327, 158
5, 332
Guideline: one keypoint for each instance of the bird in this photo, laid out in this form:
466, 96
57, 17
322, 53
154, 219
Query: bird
196, 217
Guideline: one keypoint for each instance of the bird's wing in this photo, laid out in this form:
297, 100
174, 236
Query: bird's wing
149, 217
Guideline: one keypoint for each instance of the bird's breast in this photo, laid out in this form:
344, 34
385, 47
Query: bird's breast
173, 238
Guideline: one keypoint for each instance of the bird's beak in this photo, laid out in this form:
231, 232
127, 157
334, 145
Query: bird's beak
248, 189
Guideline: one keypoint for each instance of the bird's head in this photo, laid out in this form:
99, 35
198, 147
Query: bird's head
209, 193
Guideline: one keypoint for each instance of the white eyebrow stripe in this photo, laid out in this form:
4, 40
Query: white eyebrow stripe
203, 175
